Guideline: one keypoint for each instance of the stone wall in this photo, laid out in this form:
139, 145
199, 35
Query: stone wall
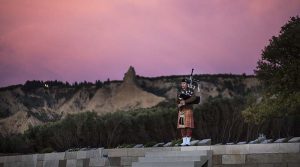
248, 155
56, 159
254, 155
245, 155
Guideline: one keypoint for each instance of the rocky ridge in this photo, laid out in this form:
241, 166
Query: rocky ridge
21, 108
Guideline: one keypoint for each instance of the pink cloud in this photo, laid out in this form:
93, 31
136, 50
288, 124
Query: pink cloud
89, 40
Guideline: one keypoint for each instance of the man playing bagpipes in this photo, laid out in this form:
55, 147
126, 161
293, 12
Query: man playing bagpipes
185, 99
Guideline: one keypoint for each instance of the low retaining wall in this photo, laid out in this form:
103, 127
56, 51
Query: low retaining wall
56, 159
248, 155
254, 155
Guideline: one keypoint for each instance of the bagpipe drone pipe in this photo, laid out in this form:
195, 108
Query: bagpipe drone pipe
192, 86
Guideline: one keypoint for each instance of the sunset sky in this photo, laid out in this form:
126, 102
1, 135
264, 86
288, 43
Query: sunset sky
72, 40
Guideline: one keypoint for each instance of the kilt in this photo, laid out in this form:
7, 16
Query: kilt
185, 118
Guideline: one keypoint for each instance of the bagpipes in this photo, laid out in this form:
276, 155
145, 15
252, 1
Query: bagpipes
192, 85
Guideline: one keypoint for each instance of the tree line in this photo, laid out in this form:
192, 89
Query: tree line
219, 119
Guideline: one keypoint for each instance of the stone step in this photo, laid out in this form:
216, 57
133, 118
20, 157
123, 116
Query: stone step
19, 164
171, 159
169, 164
177, 153
98, 161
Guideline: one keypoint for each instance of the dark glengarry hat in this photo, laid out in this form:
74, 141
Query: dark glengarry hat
184, 80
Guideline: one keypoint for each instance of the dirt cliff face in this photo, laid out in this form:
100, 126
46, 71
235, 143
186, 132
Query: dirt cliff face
21, 107
18, 123
123, 97
130, 76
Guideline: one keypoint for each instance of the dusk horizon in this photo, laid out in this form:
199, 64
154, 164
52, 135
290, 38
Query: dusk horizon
97, 40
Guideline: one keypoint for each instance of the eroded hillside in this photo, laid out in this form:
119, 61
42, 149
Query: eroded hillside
27, 105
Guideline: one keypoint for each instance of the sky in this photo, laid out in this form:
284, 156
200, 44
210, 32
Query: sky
77, 40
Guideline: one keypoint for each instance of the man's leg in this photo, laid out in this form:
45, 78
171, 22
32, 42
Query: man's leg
189, 136
184, 138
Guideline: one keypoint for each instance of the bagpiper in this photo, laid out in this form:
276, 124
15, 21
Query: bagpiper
185, 99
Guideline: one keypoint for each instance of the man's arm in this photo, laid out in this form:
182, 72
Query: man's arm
190, 99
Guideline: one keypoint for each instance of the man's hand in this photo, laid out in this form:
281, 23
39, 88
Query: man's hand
182, 103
